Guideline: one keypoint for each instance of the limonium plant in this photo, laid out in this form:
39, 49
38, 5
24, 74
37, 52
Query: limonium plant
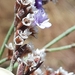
30, 14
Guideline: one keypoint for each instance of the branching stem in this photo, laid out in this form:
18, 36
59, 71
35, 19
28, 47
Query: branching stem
60, 37
60, 48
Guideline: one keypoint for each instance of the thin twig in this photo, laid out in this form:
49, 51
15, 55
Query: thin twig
6, 40
60, 37
60, 48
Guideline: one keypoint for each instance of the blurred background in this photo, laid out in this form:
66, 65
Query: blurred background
62, 17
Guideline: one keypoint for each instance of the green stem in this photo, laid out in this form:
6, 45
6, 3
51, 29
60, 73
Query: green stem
11, 66
6, 39
60, 37
15, 65
60, 48
3, 60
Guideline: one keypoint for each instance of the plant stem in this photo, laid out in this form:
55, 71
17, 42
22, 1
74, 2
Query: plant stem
3, 60
11, 66
60, 37
60, 48
6, 39
15, 65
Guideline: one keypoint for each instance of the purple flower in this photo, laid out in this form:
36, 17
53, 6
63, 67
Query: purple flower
38, 4
40, 16
41, 19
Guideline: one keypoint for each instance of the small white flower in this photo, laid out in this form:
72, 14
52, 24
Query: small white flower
39, 54
63, 72
10, 46
30, 60
38, 72
49, 69
30, 57
25, 34
30, 16
27, 21
31, 46
5, 72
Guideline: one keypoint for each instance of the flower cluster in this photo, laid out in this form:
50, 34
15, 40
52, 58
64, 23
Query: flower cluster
31, 64
60, 71
28, 15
